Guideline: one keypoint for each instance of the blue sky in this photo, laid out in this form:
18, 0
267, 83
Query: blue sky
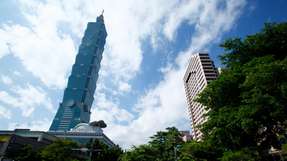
140, 87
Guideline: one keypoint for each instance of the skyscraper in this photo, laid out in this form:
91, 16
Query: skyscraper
78, 96
199, 73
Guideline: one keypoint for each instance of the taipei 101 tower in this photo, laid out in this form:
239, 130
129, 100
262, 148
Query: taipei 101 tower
78, 96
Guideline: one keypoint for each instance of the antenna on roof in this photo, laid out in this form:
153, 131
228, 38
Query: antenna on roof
103, 11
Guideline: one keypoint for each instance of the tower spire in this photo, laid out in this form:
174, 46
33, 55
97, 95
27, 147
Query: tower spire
101, 17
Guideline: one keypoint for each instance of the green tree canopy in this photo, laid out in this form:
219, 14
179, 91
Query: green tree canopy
247, 103
101, 152
163, 146
26, 153
60, 150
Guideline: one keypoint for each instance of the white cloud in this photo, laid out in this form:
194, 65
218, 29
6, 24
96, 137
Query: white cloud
124, 87
207, 17
16, 73
127, 21
44, 54
3, 47
42, 48
6, 80
165, 104
27, 99
40, 125
5, 113
109, 111
214, 22
188, 10
157, 109
48, 52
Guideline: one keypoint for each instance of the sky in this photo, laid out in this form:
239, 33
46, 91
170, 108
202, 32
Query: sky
140, 86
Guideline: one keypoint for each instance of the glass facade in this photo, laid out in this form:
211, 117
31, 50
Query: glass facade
78, 96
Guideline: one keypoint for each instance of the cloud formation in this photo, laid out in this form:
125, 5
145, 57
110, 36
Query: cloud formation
26, 98
38, 125
164, 105
5, 113
47, 45
6, 80
45, 54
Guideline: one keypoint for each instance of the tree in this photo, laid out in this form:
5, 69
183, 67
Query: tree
141, 153
247, 103
198, 151
26, 153
59, 150
163, 146
241, 155
101, 152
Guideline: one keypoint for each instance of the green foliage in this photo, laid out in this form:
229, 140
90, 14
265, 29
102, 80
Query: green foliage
26, 153
164, 146
102, 152
64, 150
58, 151
140, 153
242, 155
270, 41
247, 103
198, 151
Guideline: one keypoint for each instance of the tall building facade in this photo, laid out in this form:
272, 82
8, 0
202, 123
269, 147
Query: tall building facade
78, 96
200, 72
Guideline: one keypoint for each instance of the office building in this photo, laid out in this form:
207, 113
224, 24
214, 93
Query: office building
199, 73
78, 96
